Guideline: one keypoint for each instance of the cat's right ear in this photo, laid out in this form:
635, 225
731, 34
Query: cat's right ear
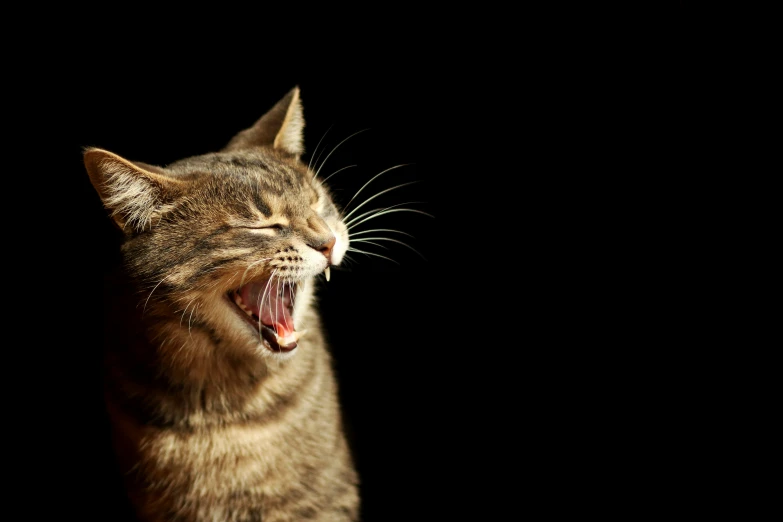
281, 128
133, 193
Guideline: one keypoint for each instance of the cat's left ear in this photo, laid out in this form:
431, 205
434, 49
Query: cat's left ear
281, 128
134, 193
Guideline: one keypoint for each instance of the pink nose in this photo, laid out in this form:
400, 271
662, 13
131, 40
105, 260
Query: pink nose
326, 249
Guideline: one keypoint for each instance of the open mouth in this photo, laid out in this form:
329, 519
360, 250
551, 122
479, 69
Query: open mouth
268, 307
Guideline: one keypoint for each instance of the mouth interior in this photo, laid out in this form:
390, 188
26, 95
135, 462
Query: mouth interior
268, 306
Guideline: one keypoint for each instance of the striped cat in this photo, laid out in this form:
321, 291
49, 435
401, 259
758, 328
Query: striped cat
219, 384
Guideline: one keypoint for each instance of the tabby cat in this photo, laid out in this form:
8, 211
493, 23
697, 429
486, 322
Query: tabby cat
219, 384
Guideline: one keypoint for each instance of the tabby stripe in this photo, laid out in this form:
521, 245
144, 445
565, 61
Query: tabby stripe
261, 205
244, 162
247, 239
206, 269
143, 403
203, 246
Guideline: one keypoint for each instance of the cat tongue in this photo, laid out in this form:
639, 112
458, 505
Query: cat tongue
274, 311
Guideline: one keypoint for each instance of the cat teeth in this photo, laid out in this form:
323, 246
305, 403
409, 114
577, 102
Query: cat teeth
290, 338
326, 272
240, 303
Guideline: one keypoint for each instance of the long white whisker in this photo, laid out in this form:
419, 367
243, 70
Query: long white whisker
251, 265
388, 211
190, 319
364, 240
233, 276
334, 149
284, 316
376, 195
372, 254
261, 302
185, 310
371, 180
277, 293
348, 259
335, 172
148, 297
379, 230
360, 216
318, 145
369, 242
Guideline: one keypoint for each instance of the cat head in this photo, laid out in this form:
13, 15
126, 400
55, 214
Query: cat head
227, 243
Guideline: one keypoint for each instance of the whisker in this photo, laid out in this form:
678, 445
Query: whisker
251, 265
375, 196
364, 240
185, 310
190, 319
372, 254
369, 243
371, 180
379, 230
360, 216
381, 211
261, 302
291, 285
277, 293
334, 149
233, 276
284, 317
335, 172
316, 148
346, 260
148, 297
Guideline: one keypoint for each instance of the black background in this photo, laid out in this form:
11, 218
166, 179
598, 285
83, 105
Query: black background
469, 375
497, 374
392, 324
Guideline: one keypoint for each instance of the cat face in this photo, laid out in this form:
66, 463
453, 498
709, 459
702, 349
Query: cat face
254, 229
228, 243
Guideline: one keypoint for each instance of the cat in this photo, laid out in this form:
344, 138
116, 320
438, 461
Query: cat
219, 384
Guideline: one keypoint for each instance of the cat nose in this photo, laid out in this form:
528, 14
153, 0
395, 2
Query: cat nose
326, 248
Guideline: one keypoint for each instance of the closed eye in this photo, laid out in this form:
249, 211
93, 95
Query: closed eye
276, 226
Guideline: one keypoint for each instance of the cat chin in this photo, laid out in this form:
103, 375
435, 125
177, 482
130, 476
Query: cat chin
267, 353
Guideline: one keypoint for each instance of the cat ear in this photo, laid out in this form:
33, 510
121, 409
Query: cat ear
133, 193
280, 128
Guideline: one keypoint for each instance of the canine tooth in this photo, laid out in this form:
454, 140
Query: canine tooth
326, 272
290, 338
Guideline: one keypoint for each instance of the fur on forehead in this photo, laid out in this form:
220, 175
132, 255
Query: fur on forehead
259, 168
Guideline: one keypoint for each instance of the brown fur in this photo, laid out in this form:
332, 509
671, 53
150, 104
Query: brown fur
209, 421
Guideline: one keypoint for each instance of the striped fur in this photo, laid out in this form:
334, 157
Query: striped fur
214, 417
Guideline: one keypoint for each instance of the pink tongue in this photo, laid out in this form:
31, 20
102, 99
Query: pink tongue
274, 309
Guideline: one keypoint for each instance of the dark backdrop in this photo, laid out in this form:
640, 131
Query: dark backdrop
385, 318
481, 376
441, 355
